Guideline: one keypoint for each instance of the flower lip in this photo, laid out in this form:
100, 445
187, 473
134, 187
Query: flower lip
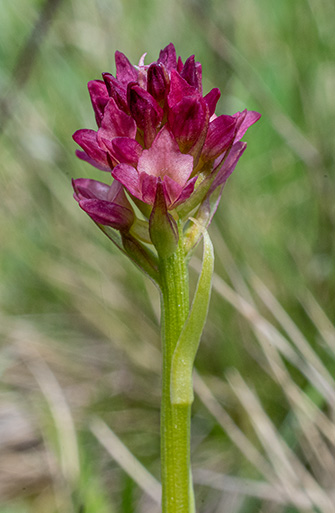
85, 188
105, 204
164, 158
92, 153
229, 164
115, 123
108, 214
245, 119
220, 135
82, 155
164, 161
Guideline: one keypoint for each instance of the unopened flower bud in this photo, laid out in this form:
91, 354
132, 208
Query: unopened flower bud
158, 81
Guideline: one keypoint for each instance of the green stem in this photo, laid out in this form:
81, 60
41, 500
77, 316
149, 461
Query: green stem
175, 418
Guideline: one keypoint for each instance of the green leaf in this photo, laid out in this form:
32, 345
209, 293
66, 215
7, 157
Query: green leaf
188, 343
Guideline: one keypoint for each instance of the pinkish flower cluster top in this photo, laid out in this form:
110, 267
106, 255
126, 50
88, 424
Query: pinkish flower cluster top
156, 130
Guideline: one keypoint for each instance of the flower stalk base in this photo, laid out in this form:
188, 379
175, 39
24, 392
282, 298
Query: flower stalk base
177, 489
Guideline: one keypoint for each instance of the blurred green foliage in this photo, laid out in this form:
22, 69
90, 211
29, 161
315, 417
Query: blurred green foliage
69, 299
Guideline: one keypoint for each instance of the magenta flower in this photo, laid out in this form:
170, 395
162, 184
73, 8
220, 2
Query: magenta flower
105, 204
162, 161
155, 126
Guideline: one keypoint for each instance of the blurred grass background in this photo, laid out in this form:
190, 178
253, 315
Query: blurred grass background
80, 379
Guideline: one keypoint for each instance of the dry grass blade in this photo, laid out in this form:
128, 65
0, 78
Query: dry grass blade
292, 330
127, 461
291, 472
262, 327
240, 486
57, 403
297, 398
311, 420
225, 256
322, 322
58, 406
26, 342
102, 312
231, 429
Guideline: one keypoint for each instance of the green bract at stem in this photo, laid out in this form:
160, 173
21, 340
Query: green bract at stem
181, 332
188, 342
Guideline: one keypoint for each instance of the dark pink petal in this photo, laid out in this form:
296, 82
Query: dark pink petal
83, 156
116, 91
168, 57
219, 136
117, 195
244, 120
140, 101
84, 188
229, 164
146, 112
129, 178
180, 64
125, 71
187, 120
191, 72
179, 88
108, 214
158, 81
184, 193
164, 158
172, 190
124, 150
212, 98
99, 98
148, 185
116, 123
87, 139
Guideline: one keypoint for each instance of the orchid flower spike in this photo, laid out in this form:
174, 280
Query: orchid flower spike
160, 140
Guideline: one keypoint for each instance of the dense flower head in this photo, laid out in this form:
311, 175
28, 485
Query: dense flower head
156, 129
